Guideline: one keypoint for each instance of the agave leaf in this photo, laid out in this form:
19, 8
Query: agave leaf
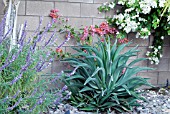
88, 97
108, 104
93, 49
80, 54
126, 88
93, 85
102, 51
97, 70
88, 108
119, 109
81, 100
118, 50
76, 49
80, 104
75, 77
129, 73
142, 80
116, 99
89, 79
113, 49
103, 98
135, 95
86, 88
137, 60
117, 73
74, 103
98, 58
83, 71
96, 95
89, 62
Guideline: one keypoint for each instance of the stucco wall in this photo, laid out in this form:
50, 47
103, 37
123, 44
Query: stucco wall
84, 12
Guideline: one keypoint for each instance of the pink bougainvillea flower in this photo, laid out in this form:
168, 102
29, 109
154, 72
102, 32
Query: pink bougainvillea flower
82, 38
99, 31
112, 30
103, 25
59, 50
85, 33
92, 30
54, 10
53, 15
124, 40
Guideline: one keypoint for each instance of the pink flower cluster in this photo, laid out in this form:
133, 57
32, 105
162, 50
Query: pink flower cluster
53, 14
85, 33
103, 29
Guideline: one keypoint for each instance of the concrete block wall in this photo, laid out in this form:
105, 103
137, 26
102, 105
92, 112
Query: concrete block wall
84, 12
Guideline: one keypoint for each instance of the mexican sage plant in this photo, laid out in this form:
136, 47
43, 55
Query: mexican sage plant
22, 90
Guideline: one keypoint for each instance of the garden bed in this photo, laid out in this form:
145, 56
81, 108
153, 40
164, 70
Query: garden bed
158, 102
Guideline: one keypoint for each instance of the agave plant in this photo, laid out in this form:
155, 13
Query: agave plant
104, 80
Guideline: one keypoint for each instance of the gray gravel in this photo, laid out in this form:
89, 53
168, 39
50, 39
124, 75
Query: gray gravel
158, 103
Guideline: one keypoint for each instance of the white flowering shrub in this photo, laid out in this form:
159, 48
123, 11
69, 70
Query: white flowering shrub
145, 18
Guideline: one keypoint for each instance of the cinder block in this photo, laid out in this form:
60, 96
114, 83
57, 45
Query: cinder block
59, 39
57, 67
32, 22
1, 17
80, 22
2, 7
110, 13
48, 20
153, 77
102, 1
69, 49
29, 35
47, 70
151, 38
84, 1
21, 9
137, 41
68, 9
140, 64
142, 53
97, 21
167, 41
162, 78
90, 10
125, 50
166, 52
39, 8
162, 66
45, 22
56, 0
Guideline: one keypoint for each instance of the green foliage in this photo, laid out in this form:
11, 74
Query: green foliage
104, 80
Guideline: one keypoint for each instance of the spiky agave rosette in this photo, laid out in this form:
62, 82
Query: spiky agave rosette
104, 80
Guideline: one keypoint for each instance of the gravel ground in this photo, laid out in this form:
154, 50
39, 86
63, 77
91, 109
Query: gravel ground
158, 103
